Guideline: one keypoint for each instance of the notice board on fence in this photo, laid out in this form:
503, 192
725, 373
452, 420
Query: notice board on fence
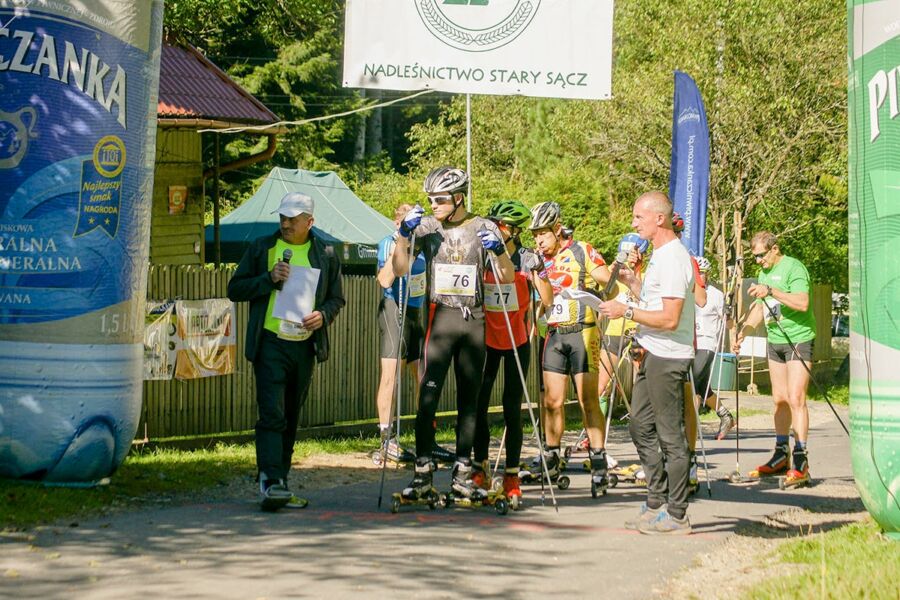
160, 340
207, 339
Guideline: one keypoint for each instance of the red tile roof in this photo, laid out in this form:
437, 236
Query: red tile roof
192, 87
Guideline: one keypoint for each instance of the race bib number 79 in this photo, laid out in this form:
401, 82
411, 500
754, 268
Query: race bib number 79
559, 311
455, 280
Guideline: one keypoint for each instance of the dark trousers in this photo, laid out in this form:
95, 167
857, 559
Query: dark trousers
512, 403
657, 429
450, 337
283, 371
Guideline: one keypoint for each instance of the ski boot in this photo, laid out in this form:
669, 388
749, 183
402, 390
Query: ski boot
779, 463
693, 479
442, 456
726, 422
555, 466
480, 475
611, 463
512, 491
420, 490
273, 493
393, 451
633, 473
798, 475
599, 473
464, 492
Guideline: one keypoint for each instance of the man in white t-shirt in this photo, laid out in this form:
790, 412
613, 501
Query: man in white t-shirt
710, 320
665, 333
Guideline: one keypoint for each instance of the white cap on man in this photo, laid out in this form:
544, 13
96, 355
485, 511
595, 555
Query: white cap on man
295, 203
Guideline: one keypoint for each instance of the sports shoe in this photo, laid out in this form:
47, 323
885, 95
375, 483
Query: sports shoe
779, 462
799, 470
726, 424
395, 452
666, 524
442, 455
273, 493
584, 445
645, 515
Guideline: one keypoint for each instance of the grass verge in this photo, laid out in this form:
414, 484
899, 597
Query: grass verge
854, 561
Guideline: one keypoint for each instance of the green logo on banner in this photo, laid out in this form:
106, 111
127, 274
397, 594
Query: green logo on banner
477, 25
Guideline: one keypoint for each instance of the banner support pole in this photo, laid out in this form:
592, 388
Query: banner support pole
469, 150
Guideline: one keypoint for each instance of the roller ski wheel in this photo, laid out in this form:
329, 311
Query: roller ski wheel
793, 479
563, 482
613, 480
494, 499
598, 490
432, 500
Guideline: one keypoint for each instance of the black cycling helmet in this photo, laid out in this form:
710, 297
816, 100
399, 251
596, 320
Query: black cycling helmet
567, 231
544, 215
446, 180
509, 212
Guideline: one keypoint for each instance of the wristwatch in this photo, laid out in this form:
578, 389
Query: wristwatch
768, 290
629, 313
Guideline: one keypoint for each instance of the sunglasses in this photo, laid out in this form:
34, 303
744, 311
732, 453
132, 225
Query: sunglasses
762, 255
442, 199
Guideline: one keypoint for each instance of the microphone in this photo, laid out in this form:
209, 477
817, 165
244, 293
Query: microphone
285, 258
621, 257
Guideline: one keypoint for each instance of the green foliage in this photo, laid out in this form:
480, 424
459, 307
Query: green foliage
854, 561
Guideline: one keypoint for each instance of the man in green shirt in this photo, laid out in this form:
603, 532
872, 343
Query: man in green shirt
782, 300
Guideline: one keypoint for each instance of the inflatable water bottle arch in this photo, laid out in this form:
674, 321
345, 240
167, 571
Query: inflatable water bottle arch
874, 161
78, 96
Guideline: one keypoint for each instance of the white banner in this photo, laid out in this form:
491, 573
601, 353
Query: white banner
548, 48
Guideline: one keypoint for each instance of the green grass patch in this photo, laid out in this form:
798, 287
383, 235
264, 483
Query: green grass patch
854, 561
838, 394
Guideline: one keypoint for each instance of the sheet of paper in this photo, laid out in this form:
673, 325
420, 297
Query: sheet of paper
583, 297
297, 297
754, 346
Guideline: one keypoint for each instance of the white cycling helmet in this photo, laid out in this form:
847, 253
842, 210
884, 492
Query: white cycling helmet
544, 216
446, 180
703, 263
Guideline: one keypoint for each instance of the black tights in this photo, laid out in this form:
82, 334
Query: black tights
512, 403
451, 336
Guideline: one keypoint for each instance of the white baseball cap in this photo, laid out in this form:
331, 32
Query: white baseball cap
295, 203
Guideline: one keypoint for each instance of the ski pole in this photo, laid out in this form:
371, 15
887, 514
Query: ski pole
546, 471
699, 432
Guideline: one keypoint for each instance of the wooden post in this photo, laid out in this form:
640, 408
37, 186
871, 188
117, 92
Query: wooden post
217, 237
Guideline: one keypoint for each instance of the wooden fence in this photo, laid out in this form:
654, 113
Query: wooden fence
343, 388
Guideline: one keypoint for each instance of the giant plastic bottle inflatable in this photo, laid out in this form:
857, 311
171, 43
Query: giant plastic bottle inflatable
78, 95
874, 127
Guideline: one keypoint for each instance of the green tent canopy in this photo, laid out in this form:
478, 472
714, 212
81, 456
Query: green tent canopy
342, 219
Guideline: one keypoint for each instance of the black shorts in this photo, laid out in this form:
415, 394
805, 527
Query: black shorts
782, 353
614, 344
572, 353
389, 327
703, 362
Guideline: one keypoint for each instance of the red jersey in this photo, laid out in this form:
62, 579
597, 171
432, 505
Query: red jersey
496, 335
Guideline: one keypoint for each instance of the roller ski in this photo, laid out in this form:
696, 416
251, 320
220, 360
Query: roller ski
420, 491
466, 493
629, 474
777, 465
599, 474
798, 475
394, 452
555, 466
